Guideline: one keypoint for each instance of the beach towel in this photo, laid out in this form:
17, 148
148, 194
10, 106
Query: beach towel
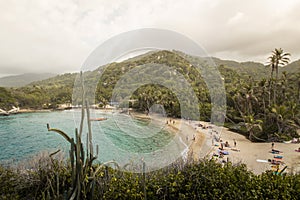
274, 151
262, 161
278, 157
224, 152
275, 162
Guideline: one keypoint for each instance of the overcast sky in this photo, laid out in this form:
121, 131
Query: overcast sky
58, 35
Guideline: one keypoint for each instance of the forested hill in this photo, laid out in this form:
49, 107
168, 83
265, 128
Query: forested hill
63, 80
267, 107
23, 79
253, 69
58, 89
249, 68
293, 67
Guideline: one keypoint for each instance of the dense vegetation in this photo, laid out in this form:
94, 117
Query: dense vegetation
202, 180
79, 178
23, 79
259, 105
6, 99
42, 94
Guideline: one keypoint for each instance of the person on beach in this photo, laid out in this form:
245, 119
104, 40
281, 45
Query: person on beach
272, 145
222, 146
234, 142
227, 144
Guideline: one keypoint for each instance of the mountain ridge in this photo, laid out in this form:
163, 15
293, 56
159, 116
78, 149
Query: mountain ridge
23, 79
254, 69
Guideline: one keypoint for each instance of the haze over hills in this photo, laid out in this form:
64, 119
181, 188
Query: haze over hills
23, 79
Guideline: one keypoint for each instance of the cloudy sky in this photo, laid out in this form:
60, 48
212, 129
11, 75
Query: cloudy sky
58, 35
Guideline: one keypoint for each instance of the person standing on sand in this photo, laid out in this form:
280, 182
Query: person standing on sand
272, 145
222, 146
234, 142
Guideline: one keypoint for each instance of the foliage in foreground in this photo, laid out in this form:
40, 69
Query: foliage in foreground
202, 180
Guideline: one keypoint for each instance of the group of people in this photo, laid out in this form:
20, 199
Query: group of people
170, 122
226, 144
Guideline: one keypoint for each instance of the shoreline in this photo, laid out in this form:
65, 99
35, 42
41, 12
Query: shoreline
201, 143
189, 136
254, 155
33, 111
29, 110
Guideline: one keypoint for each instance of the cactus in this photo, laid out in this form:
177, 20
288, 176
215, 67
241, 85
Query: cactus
83, 172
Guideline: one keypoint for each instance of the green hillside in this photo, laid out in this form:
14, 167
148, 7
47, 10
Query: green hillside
257, 106
253, 69
23, 79
293, 67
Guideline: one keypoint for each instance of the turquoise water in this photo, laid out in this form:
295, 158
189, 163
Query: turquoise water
119, 138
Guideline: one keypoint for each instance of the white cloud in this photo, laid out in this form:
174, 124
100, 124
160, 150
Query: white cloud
57, 36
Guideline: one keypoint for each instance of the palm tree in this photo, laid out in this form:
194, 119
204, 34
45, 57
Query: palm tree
262, 90
253, 127
272, 61
284, 118
278, 59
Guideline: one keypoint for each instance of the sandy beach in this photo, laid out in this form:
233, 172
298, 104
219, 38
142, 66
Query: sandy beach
194, 138
254, 155
202, 143
189, 134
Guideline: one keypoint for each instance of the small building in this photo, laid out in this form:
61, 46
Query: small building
64, 106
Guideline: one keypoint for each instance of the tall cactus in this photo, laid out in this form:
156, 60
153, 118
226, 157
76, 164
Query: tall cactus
83, 173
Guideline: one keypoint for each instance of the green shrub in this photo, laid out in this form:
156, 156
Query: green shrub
193, 180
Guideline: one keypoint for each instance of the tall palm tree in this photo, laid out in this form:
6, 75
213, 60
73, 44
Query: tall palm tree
278, 59
272, 61
263, 93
